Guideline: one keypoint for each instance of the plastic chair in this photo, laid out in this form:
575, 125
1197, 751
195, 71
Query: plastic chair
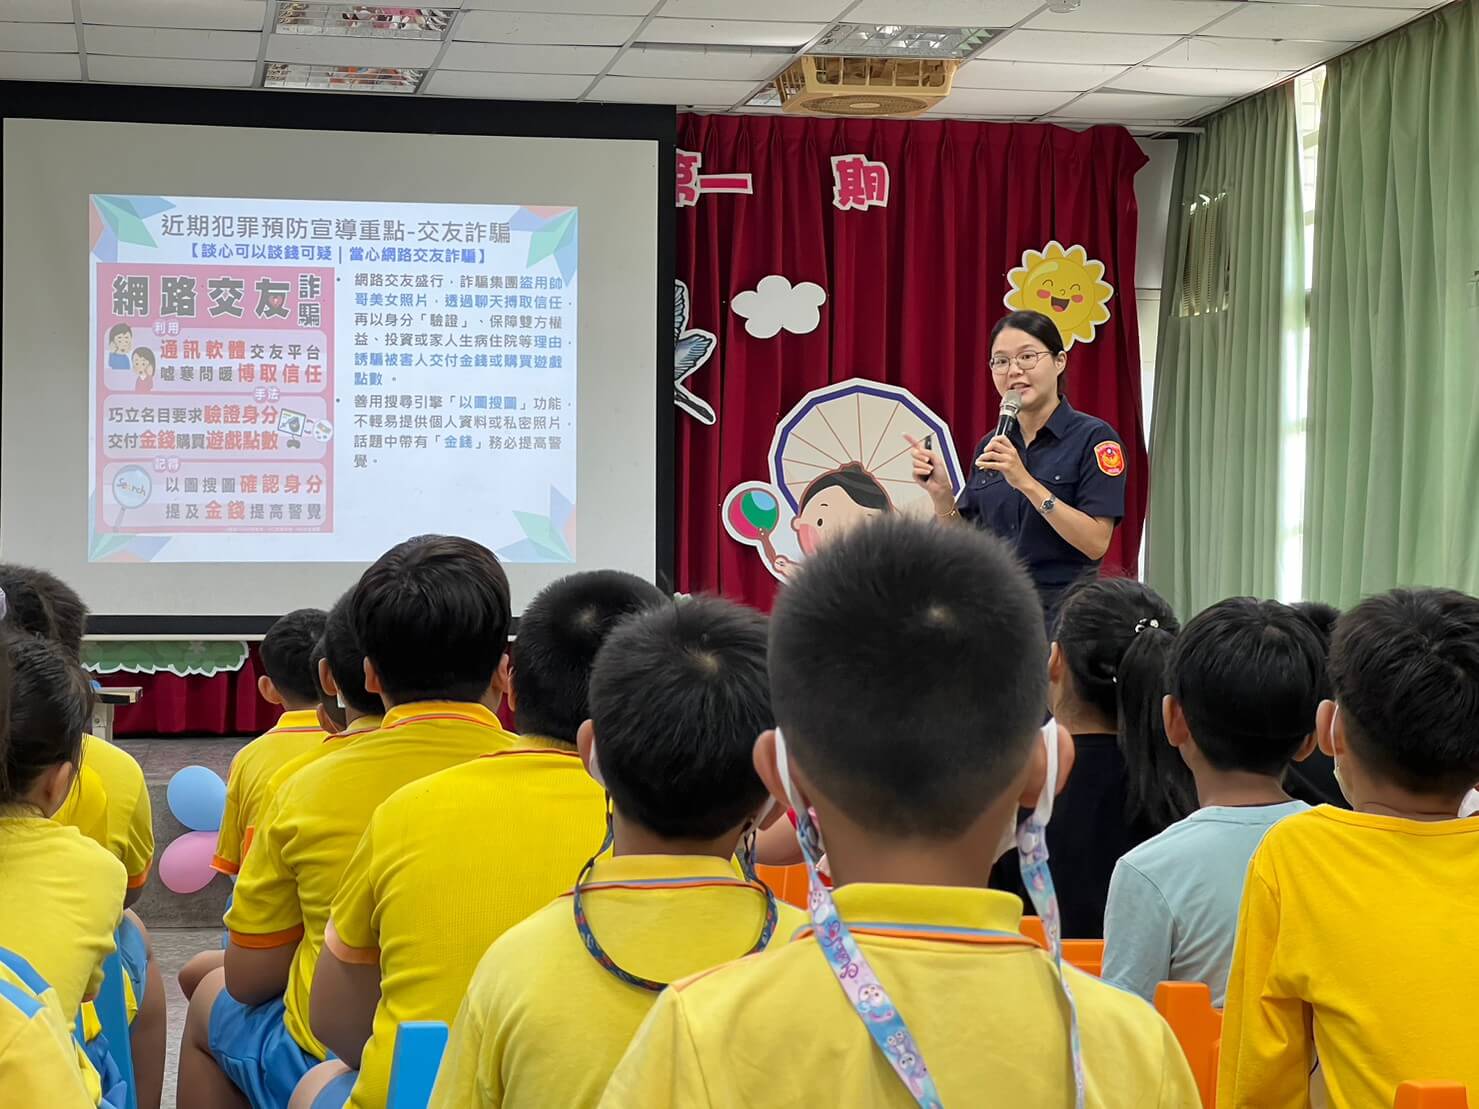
788, 883
1086, 955
1432, 1095
113, 1016
1187, 1007
419, 1045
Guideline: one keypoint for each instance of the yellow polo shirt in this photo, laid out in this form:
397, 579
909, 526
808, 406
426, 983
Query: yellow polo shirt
1356, 945
61, 897
496, 839
112, 783
361, 726
40, 1063
309, 833
512, 1045
987, 1013
294, 733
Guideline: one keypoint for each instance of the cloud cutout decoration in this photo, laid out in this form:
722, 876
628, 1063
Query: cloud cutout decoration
775, 305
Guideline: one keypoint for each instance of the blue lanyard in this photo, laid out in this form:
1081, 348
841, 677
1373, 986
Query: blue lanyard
608, 964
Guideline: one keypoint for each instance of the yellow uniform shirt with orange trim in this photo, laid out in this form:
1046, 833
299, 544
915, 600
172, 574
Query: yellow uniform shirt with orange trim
987, 1013
338, 741
496, 839
61, 897
294, 733
306, 838
1356, 946
112, 783
512, 1045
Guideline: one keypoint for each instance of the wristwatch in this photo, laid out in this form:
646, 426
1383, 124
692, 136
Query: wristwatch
1047, 506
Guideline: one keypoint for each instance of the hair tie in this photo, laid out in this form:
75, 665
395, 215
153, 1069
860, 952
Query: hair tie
1148, 622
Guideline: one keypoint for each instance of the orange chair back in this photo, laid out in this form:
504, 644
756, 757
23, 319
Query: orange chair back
1032, 928
1087, 955
1187, 1007
1432, 1095
788, 883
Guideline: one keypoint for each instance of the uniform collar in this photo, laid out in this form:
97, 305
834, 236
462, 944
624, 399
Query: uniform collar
543, 743
469, 711
363, 724
630, 868
1060, 419
297, 718
861, 903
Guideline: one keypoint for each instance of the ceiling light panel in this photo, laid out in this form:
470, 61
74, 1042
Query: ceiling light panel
341, 78
299, 17
895, 40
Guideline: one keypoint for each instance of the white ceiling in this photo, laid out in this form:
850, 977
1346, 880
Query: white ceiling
1145, 63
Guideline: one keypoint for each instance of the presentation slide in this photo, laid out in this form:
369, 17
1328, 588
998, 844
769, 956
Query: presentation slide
239, 363
269, 371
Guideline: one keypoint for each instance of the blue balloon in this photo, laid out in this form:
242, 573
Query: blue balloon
197, 797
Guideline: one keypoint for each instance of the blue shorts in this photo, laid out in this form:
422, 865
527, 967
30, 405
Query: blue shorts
134, 955
253, 1047
100, 1054
336, 1094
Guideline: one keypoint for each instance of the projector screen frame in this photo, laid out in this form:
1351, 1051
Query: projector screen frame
296, 111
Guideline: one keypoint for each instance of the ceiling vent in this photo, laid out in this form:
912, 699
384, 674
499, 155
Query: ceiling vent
833, 86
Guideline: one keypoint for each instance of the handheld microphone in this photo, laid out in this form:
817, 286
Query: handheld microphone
1011, 404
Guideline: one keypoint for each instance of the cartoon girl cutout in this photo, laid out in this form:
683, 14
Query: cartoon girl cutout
144, 365
833, 504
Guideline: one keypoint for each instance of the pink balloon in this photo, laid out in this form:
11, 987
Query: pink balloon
185, 866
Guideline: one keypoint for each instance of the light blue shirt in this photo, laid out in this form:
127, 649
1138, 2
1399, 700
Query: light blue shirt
1172, 914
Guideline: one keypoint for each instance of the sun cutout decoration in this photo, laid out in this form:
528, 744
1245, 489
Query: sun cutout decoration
1067, 286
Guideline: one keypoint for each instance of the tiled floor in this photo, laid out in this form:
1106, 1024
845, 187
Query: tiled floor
173, 947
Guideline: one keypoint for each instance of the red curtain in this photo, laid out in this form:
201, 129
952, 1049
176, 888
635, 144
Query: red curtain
913, 290
226, 703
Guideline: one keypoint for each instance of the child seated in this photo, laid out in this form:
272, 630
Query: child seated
61, 894
1106, 678
39, 1060
108, 803
908, 673
496, 838
669, 902
1356, 939
287, 651
432, 617
1244, 677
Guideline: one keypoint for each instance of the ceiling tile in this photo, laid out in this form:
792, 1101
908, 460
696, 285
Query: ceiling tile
658, 90
1415, 5
496, 57
40, 38
507, 86
341, 50
1212, 52
1000, 103
1199, 82
1129, 106
565, 7
1164, 17
217, 15
149, 42
157, 71
15, 66
1075, 46
542, 28
715, 65
944, 13
1309, 21
822, 11
36, 11
730, 32
1035, 76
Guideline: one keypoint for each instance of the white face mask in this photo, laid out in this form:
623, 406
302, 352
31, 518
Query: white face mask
593, 768
1340, 781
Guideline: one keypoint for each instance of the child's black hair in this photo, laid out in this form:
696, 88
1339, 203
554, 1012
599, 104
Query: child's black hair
45, 706
1248, 675
347, 660
287, 655
909, 670
859, 485
67, 612
326, 700
1322, 618
118, 329
1405, 667
559, 634
25, 607
1115, 636
433, 616
678, 697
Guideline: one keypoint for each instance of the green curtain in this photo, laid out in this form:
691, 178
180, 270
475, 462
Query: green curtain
1392, 496
1215, 442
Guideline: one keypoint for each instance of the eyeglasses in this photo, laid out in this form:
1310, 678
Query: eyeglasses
1026, 360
